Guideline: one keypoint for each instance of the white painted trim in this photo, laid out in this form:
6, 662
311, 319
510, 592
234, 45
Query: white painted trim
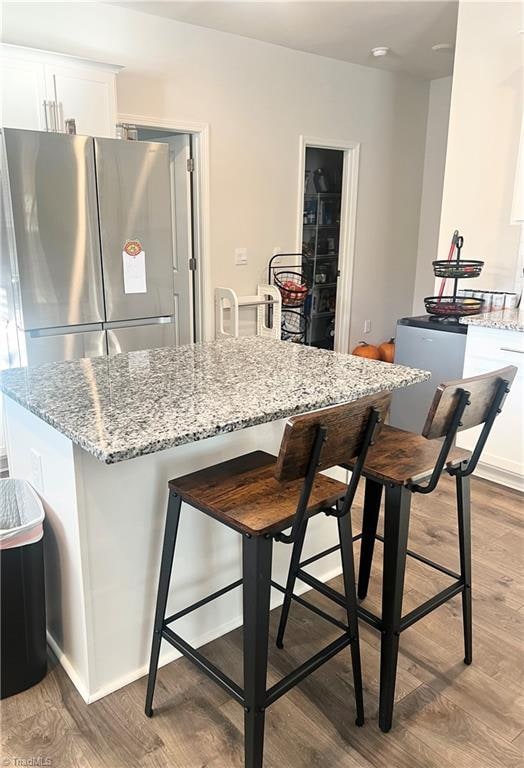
348, 219
85, 567
500, 476
201, 132
68, 667
52, 57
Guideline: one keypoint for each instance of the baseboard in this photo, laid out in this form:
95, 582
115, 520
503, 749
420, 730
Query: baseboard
501, 476
64, 662
170, 654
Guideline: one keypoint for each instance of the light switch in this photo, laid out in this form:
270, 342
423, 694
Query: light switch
240, 256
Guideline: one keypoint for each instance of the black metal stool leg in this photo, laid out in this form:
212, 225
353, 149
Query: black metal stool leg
168, 549
396, 526
464, 528
290, 584
371, 511
256, 556
348, 571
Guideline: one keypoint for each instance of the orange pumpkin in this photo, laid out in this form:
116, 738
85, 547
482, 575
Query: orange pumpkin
387, 351
366, 350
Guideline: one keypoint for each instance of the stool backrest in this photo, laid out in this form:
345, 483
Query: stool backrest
483, 391
345, 427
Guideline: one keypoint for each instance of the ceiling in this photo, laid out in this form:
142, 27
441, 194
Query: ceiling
345, 30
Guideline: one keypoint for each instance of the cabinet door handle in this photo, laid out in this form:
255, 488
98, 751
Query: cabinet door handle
60, 112
59, 126
509, 349
52, 116
55, 117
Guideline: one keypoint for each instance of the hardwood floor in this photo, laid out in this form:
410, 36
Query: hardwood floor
446, 714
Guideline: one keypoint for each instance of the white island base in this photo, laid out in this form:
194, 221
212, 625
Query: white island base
103, 539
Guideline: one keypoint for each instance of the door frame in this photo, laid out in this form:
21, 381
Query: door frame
201, 208
348, 220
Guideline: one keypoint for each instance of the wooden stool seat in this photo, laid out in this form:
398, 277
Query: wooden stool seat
244, 494
403, 457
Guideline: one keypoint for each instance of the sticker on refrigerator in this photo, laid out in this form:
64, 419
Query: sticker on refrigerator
134, 267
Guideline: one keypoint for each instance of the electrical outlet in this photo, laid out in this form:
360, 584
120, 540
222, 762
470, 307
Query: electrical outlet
367, 326
240, 256
36, 470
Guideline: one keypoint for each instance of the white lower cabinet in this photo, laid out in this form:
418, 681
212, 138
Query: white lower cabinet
488, 349
41, 90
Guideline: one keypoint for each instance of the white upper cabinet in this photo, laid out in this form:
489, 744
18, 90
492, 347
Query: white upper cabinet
41, 90
23, 93
86, 94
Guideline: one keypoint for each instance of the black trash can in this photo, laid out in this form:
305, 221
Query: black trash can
23, 657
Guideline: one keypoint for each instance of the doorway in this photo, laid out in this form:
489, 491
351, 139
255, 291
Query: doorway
326, 230
181, 166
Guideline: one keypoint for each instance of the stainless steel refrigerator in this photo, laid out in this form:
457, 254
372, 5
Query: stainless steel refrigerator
91, 245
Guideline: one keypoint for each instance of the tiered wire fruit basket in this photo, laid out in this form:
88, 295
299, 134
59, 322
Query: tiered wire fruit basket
456, 269
294, 289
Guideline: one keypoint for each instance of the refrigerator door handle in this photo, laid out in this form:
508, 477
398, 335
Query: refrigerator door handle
138, 322
64, 344
38, 333
136, 335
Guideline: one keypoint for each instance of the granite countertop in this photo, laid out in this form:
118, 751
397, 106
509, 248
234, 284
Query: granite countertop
132, 404
505, 319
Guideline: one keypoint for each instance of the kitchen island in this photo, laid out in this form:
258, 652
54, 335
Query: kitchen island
494, 340
99, 438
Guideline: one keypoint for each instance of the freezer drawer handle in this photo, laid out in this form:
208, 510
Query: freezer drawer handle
116, 325
509, 349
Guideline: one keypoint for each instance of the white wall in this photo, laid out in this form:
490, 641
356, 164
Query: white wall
258, 98
486, 107
433, 183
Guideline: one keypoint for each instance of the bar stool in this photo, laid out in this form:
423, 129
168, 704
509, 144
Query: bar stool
260, 497
400, 462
